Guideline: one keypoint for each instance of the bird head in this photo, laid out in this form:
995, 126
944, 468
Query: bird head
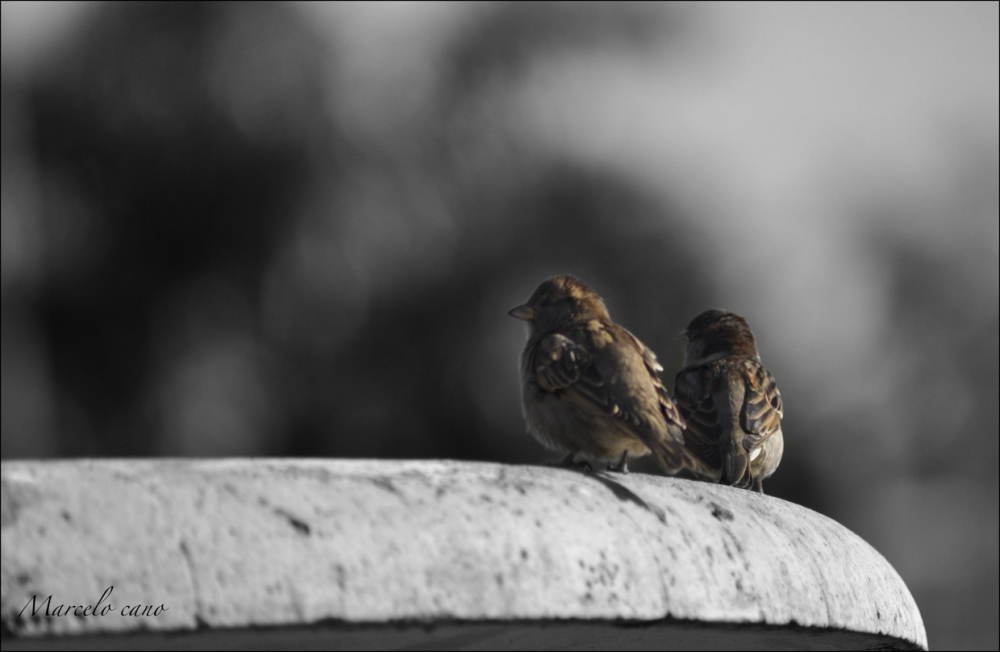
560, 301
717, 334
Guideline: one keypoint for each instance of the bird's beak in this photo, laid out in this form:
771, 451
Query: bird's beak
525, 312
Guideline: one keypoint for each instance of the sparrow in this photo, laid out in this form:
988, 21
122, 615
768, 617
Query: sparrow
590, 387
729, 400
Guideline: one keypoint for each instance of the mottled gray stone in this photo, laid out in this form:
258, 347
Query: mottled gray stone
261, 542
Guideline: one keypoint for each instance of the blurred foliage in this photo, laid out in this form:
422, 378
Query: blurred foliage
229, 272
153, 177
509, 37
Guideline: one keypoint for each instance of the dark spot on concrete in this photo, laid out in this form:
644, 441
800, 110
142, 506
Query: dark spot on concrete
524, 553
65, 516
499, 579
440, 491
11, 625
23, 579
386, 483
721, 513
14, 498
300, 526
341, 576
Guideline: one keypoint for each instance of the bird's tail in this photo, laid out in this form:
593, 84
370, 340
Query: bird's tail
675, 457
734, 463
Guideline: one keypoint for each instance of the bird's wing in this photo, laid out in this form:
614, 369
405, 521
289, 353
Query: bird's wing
591, 379
675, 421
693, 398
564, 367
762, 406
667, 444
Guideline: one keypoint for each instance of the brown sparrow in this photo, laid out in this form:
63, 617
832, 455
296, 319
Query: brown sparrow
730, 401
589, 386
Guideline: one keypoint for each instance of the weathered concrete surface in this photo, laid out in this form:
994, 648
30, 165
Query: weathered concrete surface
240, 543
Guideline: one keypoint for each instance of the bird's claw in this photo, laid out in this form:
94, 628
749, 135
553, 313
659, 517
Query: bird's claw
622, 465
570, 461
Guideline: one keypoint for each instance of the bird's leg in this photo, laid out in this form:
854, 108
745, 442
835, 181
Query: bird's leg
570, 461
622, 466
758, 486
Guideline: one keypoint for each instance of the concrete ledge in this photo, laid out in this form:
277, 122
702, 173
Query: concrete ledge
340, 545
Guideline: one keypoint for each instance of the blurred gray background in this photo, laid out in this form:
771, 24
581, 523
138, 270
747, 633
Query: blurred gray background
295, 230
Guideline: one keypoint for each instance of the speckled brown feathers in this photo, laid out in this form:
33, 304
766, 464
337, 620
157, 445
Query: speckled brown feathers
591, 387
730, 401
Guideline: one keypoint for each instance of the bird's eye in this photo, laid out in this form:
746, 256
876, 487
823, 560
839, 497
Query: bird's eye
546, 302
